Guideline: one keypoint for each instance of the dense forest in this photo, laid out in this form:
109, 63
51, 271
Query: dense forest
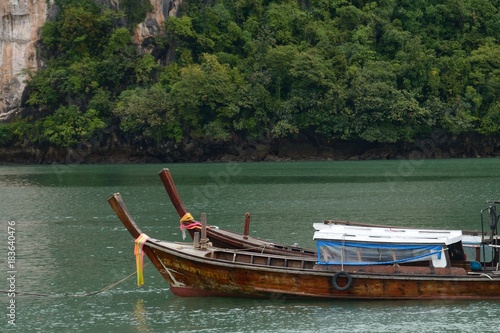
385, 71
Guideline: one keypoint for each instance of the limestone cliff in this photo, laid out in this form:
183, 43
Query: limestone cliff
21, 21
154, 23
19, 32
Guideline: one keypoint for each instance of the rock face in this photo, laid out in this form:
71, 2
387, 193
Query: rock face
154, 24
19, 32
154, 21
21, 21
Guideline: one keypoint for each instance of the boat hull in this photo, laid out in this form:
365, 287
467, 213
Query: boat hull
190, 273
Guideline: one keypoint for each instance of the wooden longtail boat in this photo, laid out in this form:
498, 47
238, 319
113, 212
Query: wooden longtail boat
222, 238
352, 263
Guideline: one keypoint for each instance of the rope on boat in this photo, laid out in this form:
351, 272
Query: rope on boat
24, 293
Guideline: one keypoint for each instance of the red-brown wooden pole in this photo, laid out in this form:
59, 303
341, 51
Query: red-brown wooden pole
246, 226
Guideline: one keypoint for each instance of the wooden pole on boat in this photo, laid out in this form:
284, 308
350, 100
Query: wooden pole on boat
169, 185
203, 240
196, 240
246, 226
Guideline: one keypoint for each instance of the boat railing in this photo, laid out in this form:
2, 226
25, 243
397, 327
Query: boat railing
254, 258
491, 231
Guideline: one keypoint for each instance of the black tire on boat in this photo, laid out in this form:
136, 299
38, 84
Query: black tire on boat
342, 274
493, 218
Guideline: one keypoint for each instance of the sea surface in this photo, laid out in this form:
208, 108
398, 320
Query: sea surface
70, 251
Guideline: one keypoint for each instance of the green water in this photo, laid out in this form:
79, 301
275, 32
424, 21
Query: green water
68, 241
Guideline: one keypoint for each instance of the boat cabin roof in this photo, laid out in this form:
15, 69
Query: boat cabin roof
385, 235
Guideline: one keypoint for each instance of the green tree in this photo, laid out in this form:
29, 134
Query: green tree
146, 117
69, 126
135, 10
287, 21
208, 99
380, 111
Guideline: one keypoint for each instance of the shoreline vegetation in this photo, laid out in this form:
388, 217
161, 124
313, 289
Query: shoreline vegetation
261, 81
108, 151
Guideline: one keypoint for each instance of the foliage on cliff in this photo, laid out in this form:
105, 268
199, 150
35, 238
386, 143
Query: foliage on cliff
377, 71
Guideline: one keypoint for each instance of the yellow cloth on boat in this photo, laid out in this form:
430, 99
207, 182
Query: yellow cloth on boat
187, 218
139, 257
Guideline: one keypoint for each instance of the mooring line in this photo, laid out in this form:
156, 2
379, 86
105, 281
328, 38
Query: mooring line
72, 295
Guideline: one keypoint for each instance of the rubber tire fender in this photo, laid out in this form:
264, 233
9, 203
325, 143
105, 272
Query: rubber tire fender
493, 218
342, 274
